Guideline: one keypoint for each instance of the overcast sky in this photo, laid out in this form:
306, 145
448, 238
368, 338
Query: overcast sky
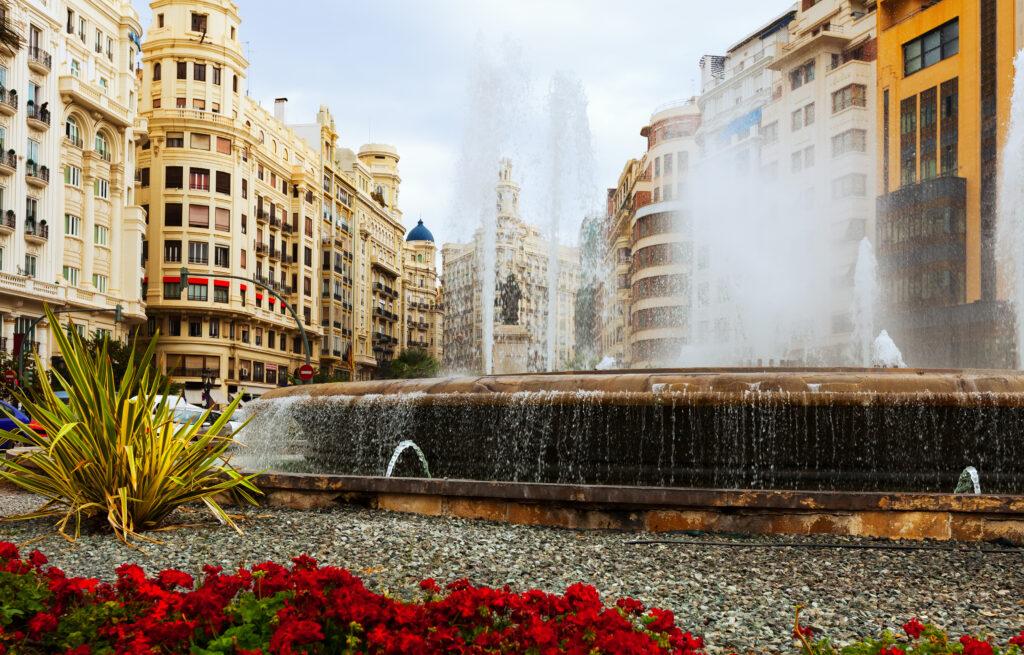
398, 71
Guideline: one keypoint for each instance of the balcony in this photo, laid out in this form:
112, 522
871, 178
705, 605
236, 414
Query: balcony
825, 36
77, 143
8, 222
36, 232
39, 60
275, 221
8, 101
36, 175
262, 216
8, 163
275, 254
288, 228
38, 117
262, 248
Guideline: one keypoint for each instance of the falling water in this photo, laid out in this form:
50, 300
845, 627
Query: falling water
1011, 206
885, 354
399, 449
865, 295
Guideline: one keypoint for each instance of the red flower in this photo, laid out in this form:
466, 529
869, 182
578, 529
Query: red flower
37, 559
630, 606
42, 623
79, 650
1018, 640
664, 620
803, 630
430, 585
8, 550
913, 628
974, 646
171, 578
892, 650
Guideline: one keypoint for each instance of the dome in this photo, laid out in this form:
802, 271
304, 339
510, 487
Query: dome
420, 233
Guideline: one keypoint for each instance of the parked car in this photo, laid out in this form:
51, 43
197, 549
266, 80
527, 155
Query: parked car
8, 424
186, 415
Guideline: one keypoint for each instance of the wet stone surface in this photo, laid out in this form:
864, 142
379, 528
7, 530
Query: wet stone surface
738, 598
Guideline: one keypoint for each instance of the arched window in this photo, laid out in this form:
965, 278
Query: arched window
102, 146
73, 131
156, 72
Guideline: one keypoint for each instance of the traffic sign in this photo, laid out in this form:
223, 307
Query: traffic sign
11, 377
306, 372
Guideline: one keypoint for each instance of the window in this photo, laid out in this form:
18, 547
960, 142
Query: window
175, 139
72, 131
797, 161
801, 75
81, 29
101, 188
223, 145
159, 20
99, 282
198, 216
809, 114
71, 21
199, 103
182, 70
30, 265
172, 251
808, 156
200, 141
172, 214
222, 219
853, 140
110, 48
76, 68
854, 184
223, 182
307, 255
174, 323
72, 176
144, 177
199, 72
156, 72
156, 105
173, 177
199, 179
948, 110
70, 274
929, 132
102, 146
220, 294
198, 22
98, 46
72, 225
798, 120
309, 226
245, 188
104, 84
769, 134
181, 103
852, 95
198, 252
932, 47
908, 141
216, 75
101, 235
234, 81
222, 256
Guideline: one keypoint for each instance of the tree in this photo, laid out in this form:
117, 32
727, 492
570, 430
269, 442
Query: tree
411, 363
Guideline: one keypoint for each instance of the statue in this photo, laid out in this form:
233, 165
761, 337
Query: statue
509, 295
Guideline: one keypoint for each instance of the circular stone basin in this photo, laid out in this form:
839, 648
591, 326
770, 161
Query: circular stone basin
811, 429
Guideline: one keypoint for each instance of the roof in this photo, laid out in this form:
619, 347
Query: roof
420, 233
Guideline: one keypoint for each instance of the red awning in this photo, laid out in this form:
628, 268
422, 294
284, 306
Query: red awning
259, 296
221, 283
242, 288
198, 280
272, 300
172, 278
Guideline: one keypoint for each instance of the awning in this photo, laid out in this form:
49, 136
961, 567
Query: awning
259, 296
198, 280
272, 300
172, 278
221, 283
243, 288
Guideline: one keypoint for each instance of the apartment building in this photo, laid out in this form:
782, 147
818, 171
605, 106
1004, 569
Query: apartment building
945, 76
71, 231
288, 239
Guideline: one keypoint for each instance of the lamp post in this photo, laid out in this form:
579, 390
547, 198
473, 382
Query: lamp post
31, 331
302, 329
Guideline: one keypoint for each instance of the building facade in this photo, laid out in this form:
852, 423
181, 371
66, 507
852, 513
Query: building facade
943, 102
522, 254
421, 291
71, 231
249, 204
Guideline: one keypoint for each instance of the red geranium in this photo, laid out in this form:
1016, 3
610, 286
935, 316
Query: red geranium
913, 628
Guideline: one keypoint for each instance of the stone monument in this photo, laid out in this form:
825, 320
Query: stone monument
511, 340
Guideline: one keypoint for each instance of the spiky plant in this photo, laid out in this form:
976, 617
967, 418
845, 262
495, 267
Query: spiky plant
113, 452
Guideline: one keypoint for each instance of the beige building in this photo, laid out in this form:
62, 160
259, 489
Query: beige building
523, 253
70, 229
245, 202
422, 291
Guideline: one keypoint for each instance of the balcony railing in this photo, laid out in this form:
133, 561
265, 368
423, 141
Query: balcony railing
37, 172
262, 248
8, 100
39, 230
40, 57
189, 372
38, 113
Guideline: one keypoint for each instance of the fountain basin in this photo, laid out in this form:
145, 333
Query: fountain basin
805, 429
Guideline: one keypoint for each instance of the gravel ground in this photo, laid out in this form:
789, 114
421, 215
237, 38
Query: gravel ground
738, 598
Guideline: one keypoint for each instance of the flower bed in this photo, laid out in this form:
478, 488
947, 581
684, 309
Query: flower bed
306, 608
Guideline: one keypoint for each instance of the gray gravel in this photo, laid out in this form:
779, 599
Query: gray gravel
738, 598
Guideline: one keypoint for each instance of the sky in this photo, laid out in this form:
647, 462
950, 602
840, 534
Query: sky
399, 72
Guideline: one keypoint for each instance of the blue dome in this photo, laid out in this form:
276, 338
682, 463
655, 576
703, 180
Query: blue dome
420, 233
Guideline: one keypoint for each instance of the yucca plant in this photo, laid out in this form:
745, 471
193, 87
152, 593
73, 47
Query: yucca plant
113, 452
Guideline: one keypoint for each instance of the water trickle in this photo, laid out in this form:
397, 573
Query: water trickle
402, 447
1010, 244
969, 482
865, 295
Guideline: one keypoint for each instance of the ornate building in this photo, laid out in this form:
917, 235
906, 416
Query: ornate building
423, 311
70, 228
524, 254
244, 202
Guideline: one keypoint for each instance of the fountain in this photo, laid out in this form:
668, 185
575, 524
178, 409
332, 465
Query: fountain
1011, 206
401, 448
885, 354
800, 429
865, 295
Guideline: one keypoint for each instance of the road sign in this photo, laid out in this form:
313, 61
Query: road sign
11, 377
306, 372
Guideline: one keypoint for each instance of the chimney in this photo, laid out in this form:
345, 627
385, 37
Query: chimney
280, 104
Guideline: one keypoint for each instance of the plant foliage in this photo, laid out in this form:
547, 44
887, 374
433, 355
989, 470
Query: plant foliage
112, 452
